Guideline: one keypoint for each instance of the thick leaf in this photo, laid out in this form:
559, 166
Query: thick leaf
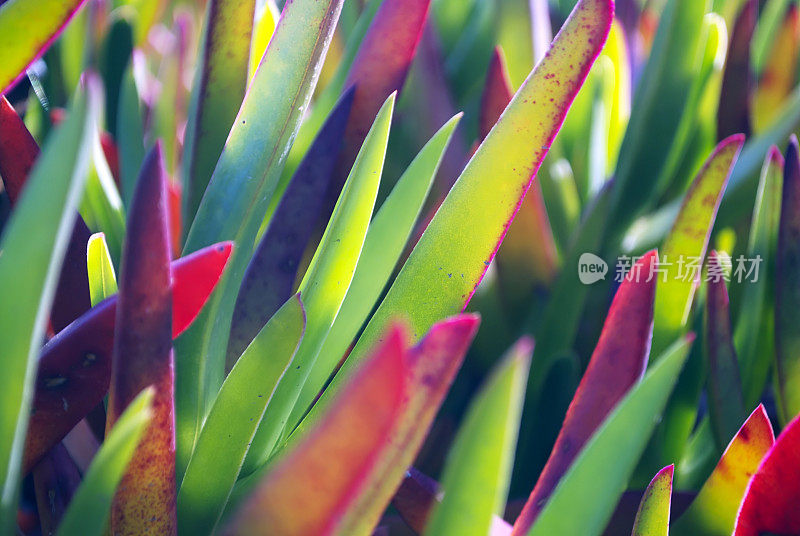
55, 480
27, 27
496, 95
753, 335
380, 67
272, 271
725, 400
142, 356
239, 193
102, 279
617, 364
458, 245
18, 152
787, 290
610, 456
33, 244
219, 88
478, 470
652, 519
87, 514
733, 116
687, 243
304, 493
130, 129
713, 512
233, 420
658, 106
75, 366
324, 286
770, 501
384, 244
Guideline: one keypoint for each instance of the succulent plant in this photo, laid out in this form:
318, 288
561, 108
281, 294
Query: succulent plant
263, 277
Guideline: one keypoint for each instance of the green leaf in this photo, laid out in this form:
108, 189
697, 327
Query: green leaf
325, 284
238, 195
130, 135
652, 518
384, 244
600, 473
88, 511
217, 93
33, 244
478, 470
233, 420
753, 334
767, 29
458, 245
27, 27
102, 279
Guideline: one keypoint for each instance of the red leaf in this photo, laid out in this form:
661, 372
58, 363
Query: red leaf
618, 362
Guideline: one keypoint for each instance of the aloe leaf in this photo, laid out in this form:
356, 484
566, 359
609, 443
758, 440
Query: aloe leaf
75, 366
27, 28
768, 506
779, 72
756, 323
272, 272
609, 458
652, 518
324, 286
726, 403
18, 153
713, 512
87, 514
220, 83
102, 279
33, 244
384, 243
458, 245
354, 432
616, 366
658, 105
478, 470
142, 356
239, 192
232, 422
787, 293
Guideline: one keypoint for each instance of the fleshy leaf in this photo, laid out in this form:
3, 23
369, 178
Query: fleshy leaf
770, 502
384, 244
87, 514
713, 512
354, 432
272, 271
142, 356
232, 422
787, 290
478, 470
33, 244
27, 28
75, 366
726, 404
239, 193
221, 80
102, 279
609, 458
324, 286
18, 152
652, 519
617, 364
458, 245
